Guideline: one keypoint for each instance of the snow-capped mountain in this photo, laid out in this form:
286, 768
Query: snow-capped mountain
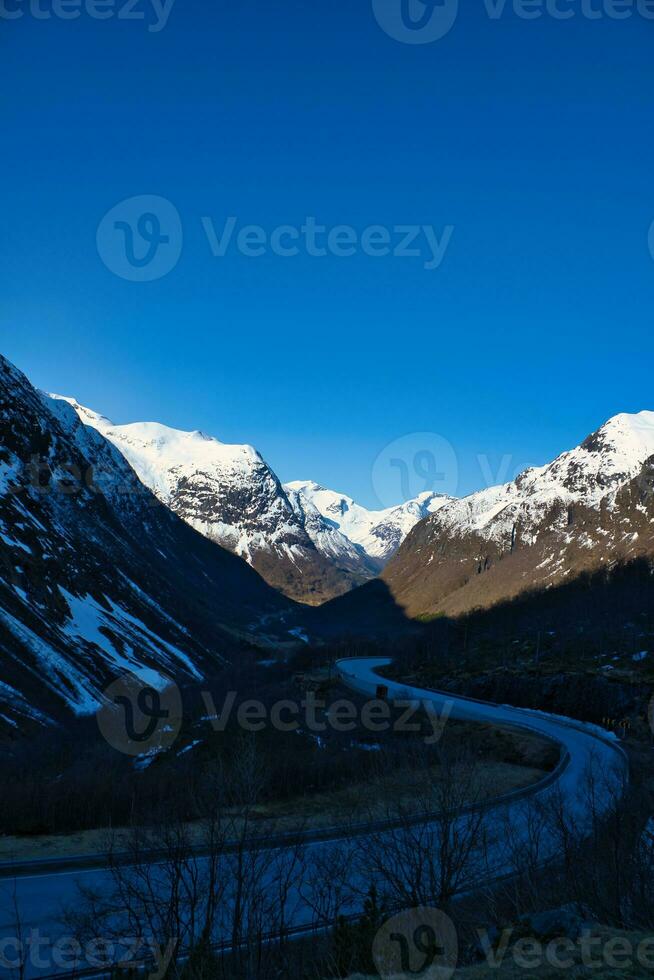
97, 579
309, 542
330, 541
378, 532
592, 505
229, 494
588, 474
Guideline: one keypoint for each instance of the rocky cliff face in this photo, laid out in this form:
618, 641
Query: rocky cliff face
310, 543
591, 506
96, 577
230, 495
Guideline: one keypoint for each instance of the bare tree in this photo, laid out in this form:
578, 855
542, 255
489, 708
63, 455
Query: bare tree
212, 892
437, 845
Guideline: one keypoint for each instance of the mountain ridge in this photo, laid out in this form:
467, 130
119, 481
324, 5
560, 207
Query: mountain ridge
380, 532
229, 493
551, 522
97, 579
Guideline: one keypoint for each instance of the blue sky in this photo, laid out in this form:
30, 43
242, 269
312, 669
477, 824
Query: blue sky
533, 139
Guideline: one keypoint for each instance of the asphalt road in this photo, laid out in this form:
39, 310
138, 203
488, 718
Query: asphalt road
587, 746
40, 898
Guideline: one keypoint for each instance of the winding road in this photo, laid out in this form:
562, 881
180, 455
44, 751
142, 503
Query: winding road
586, 747
39, 897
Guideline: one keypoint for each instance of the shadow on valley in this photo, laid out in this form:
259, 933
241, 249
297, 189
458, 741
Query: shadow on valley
584, 649
367, 611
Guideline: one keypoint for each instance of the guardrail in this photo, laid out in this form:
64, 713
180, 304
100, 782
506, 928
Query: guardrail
334, 833
588, 728
88, 862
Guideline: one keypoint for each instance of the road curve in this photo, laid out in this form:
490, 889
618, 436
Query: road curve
39, 897
587, 746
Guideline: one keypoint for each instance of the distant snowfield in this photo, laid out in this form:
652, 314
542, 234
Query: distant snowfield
200, 477
378, 532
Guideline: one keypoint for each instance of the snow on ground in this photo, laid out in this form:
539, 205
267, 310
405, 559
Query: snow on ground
592, 472
90, 622
17, 702
299, 633
13, 543
378, 532
57, 672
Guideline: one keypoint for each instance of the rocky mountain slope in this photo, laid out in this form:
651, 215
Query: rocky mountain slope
229, 494
591, 506
97, 578
310, 543
378, 533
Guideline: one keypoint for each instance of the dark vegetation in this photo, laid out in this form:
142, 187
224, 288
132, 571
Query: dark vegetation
350, 889
68, 780
585, 649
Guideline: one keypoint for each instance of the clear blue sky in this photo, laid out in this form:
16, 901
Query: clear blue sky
534, 139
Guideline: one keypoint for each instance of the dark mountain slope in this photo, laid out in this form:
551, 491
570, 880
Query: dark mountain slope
592, 507
96, 577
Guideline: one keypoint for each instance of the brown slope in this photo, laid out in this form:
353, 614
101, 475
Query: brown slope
439, 570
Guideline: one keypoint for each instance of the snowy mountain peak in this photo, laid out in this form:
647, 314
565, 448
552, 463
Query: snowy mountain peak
229, 494
624, 441
161, 455
590, 508
591, 473
95, 580
600, 465
303, 538
87, 415
379, 533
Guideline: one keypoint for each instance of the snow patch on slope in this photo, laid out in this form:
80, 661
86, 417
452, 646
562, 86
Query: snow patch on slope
379, 533
590, 474
87, 621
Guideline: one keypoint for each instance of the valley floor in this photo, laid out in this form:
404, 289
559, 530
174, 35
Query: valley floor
355, 803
